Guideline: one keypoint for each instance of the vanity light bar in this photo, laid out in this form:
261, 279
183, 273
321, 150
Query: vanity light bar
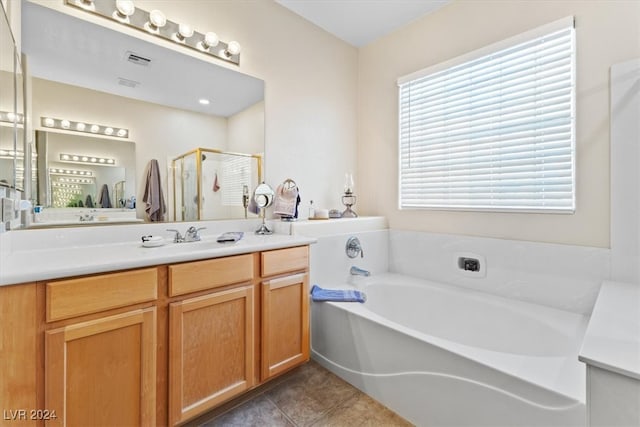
10, 154
9, 117
82, 158
70, 172
76, 180
66, 192
70, 186
155, 22
92, 128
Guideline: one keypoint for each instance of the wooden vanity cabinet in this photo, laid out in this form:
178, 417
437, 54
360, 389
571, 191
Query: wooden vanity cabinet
18, 352
285, 310
101, 368
152, 346
211, 336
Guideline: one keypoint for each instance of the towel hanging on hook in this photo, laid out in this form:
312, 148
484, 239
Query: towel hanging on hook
216, 184
287, 200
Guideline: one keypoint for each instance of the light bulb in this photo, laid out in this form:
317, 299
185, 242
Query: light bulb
64, 157
157, 20
111, 161
204, 101
101, 161
85, 159
49, 122
233, 48
65, 124
80, 127
95, 128
184, 31
93, 160
210, 40
122, 133
11, 117
75, 158
108, 131
86, 5
124, 9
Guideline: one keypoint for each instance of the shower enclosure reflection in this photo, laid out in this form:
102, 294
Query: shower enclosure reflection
213, 184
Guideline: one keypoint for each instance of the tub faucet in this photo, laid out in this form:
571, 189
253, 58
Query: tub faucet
355, 271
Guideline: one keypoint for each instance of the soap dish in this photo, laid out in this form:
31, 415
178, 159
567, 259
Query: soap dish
152, 241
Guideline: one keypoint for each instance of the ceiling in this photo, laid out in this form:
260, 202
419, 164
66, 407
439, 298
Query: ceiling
69, 50
359, 22
66, 49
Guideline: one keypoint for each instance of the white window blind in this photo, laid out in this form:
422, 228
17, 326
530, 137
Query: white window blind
493, 130
236, 173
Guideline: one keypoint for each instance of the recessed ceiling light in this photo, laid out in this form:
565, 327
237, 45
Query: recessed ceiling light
204, 101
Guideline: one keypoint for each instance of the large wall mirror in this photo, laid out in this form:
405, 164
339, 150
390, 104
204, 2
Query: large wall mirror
171, 103
11, 110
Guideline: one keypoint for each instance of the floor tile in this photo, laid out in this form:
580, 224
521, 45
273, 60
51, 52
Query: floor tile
361, 410
259, 411
310, 394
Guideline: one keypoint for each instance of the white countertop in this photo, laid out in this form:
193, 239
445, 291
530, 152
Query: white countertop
612, 339
58, 253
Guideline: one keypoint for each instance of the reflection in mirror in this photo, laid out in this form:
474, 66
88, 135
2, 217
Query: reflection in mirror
11, 110
211, 184
79, 171
93, 78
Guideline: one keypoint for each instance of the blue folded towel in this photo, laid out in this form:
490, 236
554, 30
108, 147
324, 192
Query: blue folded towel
319, 294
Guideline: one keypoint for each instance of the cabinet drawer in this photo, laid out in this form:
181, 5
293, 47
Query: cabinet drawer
87, 295
284, 260
201, 275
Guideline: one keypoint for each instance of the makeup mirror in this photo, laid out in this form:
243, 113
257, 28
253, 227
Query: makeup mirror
263, 197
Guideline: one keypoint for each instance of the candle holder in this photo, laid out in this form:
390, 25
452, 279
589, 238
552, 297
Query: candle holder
348, 199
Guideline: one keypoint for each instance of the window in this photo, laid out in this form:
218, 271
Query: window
494, 129
236, 179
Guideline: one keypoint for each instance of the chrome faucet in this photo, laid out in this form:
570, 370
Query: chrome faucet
355, 271
192, 234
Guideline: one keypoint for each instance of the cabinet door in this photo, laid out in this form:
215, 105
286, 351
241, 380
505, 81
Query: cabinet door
285, 323
211, 351
103, 372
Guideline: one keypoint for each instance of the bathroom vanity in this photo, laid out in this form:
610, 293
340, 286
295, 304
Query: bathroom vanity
187, 328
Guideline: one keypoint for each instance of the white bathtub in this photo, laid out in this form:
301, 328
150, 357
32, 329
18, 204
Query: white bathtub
442, 356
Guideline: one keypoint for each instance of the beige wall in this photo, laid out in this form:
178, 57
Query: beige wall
245, 130
607, 32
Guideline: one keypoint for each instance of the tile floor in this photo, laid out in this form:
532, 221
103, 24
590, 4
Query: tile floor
307, 396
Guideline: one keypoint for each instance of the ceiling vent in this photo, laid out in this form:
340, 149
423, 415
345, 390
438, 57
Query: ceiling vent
128, 83
134, 58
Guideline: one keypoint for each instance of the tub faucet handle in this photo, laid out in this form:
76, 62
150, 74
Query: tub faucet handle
354, 248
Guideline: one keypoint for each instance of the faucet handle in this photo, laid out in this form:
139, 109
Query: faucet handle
354, 247
192, 234
178, 237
